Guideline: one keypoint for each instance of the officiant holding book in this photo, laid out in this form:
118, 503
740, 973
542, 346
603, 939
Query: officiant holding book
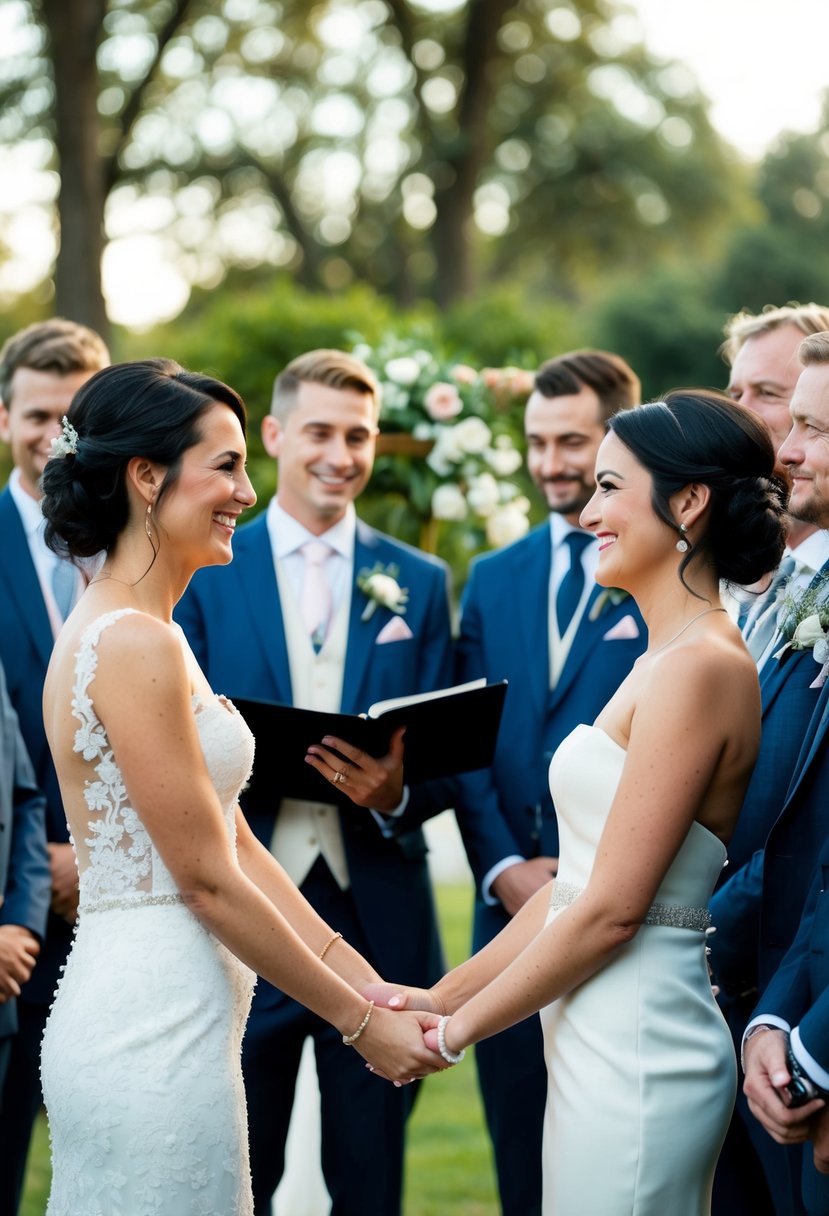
322, 612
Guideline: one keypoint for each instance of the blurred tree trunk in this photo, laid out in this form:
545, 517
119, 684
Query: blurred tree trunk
74, 27
468, 154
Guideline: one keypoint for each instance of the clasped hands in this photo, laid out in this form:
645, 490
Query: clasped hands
429, 1009
767, 1075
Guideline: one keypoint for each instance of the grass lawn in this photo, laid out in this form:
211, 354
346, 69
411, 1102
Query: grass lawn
448, 1163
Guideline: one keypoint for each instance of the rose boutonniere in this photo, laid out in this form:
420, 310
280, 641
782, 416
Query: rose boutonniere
610, 595
380, 586
805, 626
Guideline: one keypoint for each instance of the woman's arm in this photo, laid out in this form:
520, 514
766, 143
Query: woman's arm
679, 734
265, 871
154, 738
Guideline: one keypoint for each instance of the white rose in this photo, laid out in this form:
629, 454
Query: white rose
472, 435
483, 494
808, 633
504, 461
446, 453
404, 370
386, 590
393, 396
505, 525
449, 503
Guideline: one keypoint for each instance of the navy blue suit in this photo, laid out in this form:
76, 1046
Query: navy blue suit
798, 990
25, 648
233, 620
25, 882
507, 810
759, 891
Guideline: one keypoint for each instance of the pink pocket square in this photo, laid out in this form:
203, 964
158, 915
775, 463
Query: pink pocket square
623, 630
395, 630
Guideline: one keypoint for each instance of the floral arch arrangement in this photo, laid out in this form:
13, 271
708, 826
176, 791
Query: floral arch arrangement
448, 455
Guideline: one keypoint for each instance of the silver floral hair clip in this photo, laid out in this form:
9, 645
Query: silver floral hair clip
65, 444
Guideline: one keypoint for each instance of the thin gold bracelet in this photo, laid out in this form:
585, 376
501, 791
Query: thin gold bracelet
328, 945
351, 1039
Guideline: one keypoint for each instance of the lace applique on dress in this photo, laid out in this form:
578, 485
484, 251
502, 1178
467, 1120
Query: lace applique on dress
120, 851
141, 1055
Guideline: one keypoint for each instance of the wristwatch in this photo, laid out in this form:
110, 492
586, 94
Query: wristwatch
801, 1089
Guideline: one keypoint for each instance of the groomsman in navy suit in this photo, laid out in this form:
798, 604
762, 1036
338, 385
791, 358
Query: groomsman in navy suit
25, 885
41, 368
288, 621
772, 899
532, 613
765, 365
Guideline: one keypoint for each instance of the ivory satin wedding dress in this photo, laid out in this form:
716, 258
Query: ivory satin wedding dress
141, 1053
642, 1074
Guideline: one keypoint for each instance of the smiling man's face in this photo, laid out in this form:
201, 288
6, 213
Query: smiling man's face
325, 449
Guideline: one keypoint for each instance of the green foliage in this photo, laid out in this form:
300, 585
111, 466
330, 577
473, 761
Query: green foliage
394, 144
666, 327
245, 336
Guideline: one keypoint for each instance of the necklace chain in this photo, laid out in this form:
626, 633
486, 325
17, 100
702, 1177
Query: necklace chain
104, 575
687, 625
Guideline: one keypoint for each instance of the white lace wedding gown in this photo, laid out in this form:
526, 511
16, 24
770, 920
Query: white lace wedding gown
141, 1054
642, 1075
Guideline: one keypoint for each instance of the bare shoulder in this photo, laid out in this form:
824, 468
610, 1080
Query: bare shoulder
712, 671
138, 650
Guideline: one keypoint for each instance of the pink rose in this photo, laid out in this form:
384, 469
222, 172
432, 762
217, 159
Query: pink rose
442, 401
521, 383
464, 374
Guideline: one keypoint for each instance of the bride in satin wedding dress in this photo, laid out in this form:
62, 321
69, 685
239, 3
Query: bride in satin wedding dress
642, 1075
179, 904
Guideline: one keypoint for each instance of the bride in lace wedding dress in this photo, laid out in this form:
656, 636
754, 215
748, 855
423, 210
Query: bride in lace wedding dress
180, 906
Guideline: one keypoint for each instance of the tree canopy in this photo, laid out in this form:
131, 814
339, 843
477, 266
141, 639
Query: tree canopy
422, 148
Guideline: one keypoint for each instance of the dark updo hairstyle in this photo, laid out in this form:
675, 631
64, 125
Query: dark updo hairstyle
150, 408
697, 435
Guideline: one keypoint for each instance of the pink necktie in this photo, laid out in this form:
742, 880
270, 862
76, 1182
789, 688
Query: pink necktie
315, 602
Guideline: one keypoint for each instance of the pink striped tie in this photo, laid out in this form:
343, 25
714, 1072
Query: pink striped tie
315, 601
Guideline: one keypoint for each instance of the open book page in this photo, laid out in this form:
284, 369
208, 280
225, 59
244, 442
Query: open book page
381, 707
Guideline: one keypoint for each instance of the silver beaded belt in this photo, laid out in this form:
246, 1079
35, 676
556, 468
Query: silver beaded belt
123, 902
671, 916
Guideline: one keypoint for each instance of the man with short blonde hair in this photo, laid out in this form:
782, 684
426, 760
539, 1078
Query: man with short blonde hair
332, 368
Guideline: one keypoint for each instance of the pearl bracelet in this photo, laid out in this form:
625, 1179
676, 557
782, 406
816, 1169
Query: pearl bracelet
351, 1039
451, 1057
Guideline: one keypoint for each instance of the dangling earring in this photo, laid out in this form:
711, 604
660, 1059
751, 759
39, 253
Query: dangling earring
682, 545
147, 521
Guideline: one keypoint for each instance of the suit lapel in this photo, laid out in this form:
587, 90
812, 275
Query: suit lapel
532, 598
255, 570
772, 678
361, 634
814, 744
583, 639
20, 576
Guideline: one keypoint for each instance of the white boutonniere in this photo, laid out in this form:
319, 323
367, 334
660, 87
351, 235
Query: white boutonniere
380, 586
610, 595
805, 626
